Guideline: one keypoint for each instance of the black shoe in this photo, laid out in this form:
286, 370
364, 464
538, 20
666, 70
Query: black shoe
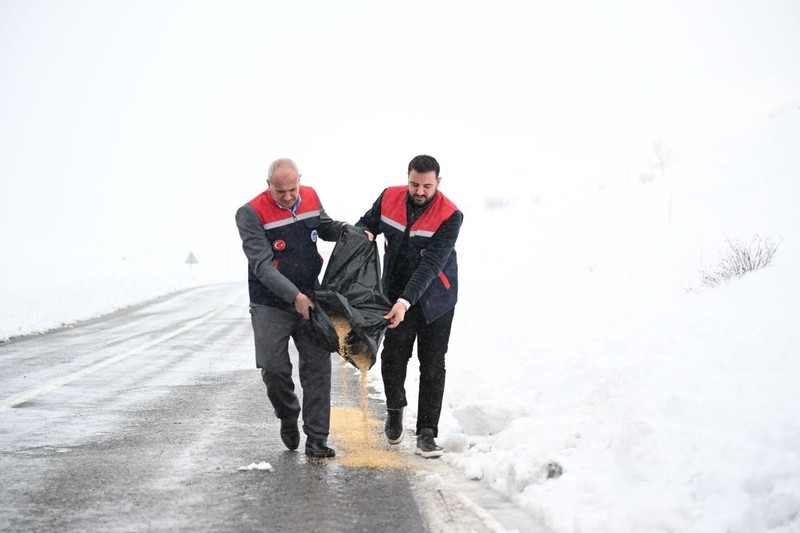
426, 446
290, 435
394, 425
318, 448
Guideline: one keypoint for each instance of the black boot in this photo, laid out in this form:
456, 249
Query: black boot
318, 448
426, 446
290, 435
394, 425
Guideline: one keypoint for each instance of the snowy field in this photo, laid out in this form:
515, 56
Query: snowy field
592, 377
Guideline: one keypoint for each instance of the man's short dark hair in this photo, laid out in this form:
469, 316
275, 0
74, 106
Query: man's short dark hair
423, 164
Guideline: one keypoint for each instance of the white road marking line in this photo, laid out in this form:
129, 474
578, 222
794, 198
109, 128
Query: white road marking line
56, 383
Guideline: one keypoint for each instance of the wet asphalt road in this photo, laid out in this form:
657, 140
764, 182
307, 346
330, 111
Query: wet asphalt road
141, 420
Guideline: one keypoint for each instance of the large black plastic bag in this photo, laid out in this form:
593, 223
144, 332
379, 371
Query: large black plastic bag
351, 287
321, 330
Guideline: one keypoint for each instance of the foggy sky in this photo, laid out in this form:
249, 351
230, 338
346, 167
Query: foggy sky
135, 123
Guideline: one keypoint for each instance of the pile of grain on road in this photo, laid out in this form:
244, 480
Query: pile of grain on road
358, 438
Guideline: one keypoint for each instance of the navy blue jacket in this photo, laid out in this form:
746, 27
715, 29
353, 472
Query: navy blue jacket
420, 261
281, 246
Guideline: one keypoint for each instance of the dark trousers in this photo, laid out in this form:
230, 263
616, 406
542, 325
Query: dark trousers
398, 345
272, 329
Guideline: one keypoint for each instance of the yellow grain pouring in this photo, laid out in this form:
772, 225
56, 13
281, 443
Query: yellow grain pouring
342, 327
356, 432
359, 360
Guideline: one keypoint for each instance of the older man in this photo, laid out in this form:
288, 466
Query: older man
279, 230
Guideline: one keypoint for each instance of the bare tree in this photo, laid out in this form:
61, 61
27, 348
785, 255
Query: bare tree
663, 157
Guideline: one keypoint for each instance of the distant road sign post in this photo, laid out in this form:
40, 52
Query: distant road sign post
191, 260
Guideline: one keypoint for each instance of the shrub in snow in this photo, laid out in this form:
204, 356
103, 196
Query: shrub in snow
739, 258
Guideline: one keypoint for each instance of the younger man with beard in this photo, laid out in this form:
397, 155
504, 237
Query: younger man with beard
420, 274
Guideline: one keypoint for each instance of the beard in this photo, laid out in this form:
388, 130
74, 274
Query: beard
421, 199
